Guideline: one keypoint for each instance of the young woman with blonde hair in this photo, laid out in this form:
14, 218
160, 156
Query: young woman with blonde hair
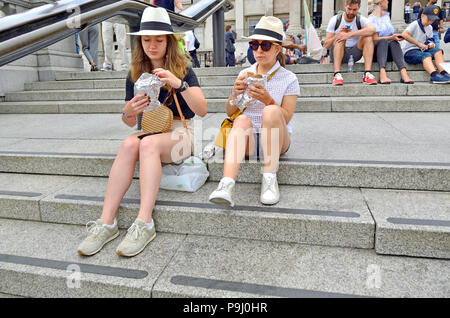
156, 51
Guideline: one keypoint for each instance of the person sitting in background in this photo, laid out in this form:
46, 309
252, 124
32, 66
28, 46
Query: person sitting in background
387, 46
351, 37
419, 47
437, 24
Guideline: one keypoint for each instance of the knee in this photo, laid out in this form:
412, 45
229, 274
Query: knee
150, 145
243, 122
271, 115
130, 144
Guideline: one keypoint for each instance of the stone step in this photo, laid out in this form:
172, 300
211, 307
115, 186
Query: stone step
217, 105
39, 260
214, 80
387, 150
234, 71
313, 90
413, 223
302, 215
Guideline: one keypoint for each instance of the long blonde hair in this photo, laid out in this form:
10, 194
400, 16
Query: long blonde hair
174, 60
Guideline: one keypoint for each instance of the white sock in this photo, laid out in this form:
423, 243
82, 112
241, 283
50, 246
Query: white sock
268, 174
228, 179
112, 225
150, 225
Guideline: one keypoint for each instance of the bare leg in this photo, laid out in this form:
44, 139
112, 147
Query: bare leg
405, 75
428, 65
240, 141
365, 44
275, 137
338, 54
383, 76
153, 151
439, 58
120, 177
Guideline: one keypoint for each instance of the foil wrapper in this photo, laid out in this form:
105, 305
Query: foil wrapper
149, 84
244, 100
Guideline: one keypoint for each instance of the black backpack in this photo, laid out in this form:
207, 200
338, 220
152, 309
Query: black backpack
339, 19
196, 43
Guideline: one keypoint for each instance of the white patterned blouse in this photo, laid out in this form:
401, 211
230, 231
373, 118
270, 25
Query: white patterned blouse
282, 83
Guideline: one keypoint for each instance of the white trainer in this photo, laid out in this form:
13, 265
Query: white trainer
270, 194
223, 195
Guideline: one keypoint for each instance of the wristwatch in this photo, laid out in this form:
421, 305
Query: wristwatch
184, 86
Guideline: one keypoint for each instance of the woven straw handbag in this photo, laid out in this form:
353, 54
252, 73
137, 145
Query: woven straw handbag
158, 120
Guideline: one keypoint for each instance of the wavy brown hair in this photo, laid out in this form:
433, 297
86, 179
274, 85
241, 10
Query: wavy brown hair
175, 61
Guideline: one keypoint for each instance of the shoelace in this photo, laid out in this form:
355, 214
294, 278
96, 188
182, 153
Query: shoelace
222, 186
269, 183
370, 75
93, 228
134, 231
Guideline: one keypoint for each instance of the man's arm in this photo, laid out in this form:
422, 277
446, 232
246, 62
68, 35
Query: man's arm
178, 4
329, 40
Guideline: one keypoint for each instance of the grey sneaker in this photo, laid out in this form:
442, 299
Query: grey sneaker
137, 238
223, 195
98, 236
270, 194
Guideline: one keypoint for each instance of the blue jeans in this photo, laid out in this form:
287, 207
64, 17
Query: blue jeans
436, 39
417, 56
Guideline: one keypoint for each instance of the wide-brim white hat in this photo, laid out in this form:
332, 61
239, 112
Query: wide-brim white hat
155, 21
269, 29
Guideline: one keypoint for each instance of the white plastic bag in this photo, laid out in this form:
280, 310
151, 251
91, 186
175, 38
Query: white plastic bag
188, 176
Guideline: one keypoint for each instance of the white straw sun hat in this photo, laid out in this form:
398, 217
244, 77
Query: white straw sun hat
155, 21
269, 29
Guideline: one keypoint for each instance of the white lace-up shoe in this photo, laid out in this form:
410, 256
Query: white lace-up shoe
137, 238
270, 194
98, 236
223, 195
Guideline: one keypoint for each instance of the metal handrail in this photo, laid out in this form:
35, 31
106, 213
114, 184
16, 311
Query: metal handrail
24, 33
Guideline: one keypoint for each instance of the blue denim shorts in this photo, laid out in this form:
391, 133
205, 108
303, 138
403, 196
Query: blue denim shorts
417, 56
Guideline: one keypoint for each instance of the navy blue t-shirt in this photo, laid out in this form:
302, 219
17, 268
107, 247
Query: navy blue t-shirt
167, 4
192, 81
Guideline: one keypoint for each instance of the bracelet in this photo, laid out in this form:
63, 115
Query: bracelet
128, 116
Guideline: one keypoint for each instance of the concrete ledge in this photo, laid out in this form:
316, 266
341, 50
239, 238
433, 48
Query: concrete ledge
44, 263
411, 222
209, 267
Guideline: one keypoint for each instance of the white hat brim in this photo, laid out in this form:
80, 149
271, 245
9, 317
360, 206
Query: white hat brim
154, 32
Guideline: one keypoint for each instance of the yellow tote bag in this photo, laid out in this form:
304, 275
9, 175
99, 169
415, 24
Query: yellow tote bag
227, 124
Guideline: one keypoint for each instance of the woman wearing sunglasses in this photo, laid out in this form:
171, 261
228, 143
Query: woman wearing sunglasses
265, 122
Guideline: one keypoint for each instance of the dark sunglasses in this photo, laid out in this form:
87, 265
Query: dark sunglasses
265, 45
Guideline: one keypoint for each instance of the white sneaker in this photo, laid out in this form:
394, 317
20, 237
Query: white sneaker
270, 194
224, 193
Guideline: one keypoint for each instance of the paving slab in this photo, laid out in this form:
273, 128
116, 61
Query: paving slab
301, 216
20, 194
411, 222
236, 268
44, 263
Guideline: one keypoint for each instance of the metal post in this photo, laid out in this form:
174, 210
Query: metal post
219, 37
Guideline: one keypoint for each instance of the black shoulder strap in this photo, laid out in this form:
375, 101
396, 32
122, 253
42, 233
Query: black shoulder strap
358, 21
339, 19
